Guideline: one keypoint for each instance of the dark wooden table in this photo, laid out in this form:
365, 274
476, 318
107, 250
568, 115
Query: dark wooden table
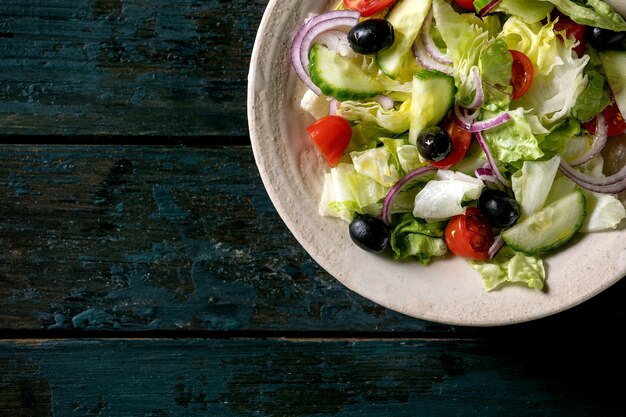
144, 271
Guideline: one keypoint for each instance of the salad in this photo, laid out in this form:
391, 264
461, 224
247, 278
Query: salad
473, 127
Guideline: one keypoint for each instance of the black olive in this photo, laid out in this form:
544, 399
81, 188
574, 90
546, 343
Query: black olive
369, 233
499, 208
434, 143
371, 36
604, 39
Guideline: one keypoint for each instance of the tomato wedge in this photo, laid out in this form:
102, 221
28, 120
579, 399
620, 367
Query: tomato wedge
465, 4
522, 74
331, 135
572, 30
615, 123
368, 7
460, 143
469, 235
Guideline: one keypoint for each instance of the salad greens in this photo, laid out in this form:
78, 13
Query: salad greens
524, 119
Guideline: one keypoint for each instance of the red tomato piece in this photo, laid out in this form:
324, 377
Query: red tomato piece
572, 30
465, 4
522, 74
469, 235
368, 7
331, 135
615, 123
460, 143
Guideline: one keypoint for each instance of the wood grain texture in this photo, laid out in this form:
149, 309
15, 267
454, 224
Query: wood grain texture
273, 378
107, 67
158, 238
135, 238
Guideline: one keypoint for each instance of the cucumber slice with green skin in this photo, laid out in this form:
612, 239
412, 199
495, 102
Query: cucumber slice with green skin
614, 65
433, 96
406, 17
550, 227
339, 77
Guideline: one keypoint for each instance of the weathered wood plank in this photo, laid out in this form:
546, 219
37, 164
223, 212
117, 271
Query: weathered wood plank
133, 67
151, 238
135, 238
309, 378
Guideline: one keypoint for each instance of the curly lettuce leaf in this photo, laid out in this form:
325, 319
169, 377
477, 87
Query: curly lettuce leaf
530, 11
415, 238
393, 120
510, 267
594, 98
514, 140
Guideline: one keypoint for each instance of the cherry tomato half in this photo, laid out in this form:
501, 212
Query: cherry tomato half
469, 235
615, 123
368, 7
572, 30
460, 143
522, 74
465, 4
331, 135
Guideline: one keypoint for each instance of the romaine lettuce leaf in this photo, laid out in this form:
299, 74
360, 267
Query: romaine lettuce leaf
596, 13
594, 98
532, 183
415, 238
530, 11
444, 196
509, 267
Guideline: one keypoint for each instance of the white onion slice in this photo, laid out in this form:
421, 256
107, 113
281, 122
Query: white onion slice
307, 34
429, 43
399, 186
599, 140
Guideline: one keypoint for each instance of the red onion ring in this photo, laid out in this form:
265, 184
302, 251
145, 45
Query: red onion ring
307, 34
482, 125
599, 140
429, 43
399, 186
333, 107
487, 176
492, 162
426, 61
612, 184
488, 8
479, 98
385, 101
498, 243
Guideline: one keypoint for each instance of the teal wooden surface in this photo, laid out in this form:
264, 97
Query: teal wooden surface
142, 276
270, 378
112, 67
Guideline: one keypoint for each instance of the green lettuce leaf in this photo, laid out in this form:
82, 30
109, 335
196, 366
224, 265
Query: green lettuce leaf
562, 135
604, 211
532, 183
347, 192
377, 164
415, 238
393, 120
530, 11
594, 98
495, 64
444, 196
513, 141
596, 13
510, 267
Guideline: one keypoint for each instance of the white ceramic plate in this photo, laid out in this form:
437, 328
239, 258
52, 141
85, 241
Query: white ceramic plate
446, 291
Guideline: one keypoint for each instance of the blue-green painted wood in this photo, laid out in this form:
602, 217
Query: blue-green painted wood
273, 378
117, 67
136, 238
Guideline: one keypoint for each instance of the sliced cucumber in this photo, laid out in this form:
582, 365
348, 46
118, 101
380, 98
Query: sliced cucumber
550, 227
614, 65
433, 96
406, 17
339, 77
